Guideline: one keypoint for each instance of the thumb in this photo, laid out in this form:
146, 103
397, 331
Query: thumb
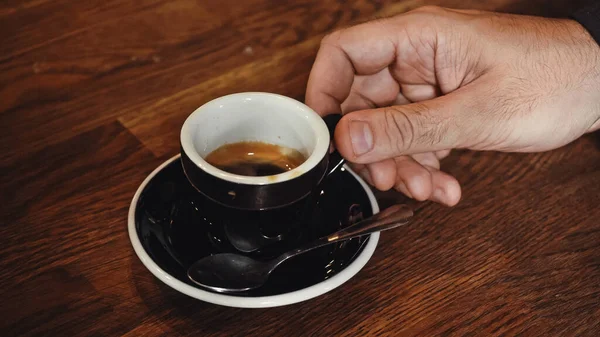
369, 136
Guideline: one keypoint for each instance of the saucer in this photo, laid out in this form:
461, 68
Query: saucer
170, 227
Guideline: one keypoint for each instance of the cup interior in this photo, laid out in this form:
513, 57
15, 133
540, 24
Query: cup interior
261, 117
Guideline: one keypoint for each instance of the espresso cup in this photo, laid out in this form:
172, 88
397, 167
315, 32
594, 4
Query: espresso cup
256, 117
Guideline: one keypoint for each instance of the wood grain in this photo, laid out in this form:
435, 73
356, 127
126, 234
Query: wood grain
92, 96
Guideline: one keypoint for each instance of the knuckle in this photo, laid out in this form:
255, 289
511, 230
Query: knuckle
405, 129
399, 129
430, 10
332, 38
424, 178
424, 175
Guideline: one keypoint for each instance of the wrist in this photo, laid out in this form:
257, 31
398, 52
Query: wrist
589, 52
589, 18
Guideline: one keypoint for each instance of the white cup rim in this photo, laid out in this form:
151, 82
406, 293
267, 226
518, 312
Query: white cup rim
313, 119
250, 302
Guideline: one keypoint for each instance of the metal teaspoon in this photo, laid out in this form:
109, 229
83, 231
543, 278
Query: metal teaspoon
230, 273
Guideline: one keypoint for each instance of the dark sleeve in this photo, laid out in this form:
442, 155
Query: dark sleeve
589, 18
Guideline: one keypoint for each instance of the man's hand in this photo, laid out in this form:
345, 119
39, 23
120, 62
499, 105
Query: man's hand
431, 80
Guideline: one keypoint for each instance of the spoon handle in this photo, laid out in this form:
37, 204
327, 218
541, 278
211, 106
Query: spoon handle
391, 217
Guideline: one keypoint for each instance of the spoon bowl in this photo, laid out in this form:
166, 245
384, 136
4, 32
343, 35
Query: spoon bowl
230, 272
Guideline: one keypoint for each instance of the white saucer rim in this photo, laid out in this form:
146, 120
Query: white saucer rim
250, 302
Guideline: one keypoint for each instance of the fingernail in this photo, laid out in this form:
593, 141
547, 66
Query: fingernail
361, 137
438, 196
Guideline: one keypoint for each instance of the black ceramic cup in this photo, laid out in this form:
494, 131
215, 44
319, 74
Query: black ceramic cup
263, 117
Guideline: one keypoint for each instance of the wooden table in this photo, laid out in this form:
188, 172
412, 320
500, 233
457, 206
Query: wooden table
92, 97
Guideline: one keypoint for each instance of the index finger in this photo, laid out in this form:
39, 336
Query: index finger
364, 49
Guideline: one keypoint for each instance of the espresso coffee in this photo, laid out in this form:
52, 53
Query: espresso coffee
255, 158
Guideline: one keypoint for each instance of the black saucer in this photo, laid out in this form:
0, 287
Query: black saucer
177, 226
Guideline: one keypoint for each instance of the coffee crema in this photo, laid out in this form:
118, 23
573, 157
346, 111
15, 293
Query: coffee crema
253, 158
